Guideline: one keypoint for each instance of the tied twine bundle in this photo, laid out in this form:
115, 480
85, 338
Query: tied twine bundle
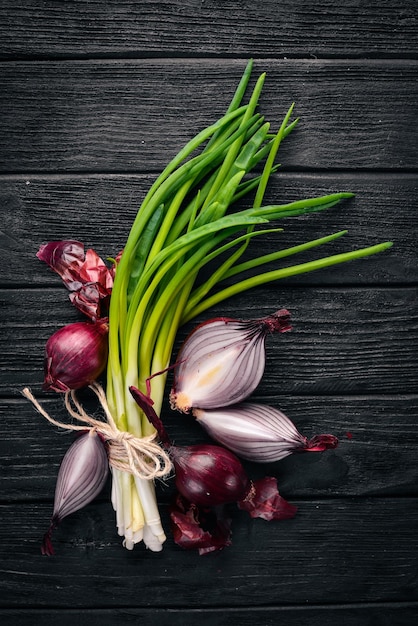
141, 456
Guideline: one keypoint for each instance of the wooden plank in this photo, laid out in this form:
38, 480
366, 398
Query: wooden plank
195, 28
99, 211
376, 454
132, 115
384, 614
343, 342
360, 549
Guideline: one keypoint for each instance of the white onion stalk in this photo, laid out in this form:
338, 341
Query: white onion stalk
222, 361
259, 433
182, 224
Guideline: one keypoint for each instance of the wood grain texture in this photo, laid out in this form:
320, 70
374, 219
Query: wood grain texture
131, 115
359, 548
206, 27
384, 614
376, 454
36, 209
338, 335
96, 97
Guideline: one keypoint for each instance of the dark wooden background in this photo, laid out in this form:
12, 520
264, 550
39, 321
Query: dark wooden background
95, 98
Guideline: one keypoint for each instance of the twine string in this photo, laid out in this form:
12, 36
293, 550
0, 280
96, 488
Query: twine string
141, 456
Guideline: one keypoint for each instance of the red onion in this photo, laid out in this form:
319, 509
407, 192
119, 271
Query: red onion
81, 477
206, 475
259, 433
209, 528
222, 361
209, 475
75, 355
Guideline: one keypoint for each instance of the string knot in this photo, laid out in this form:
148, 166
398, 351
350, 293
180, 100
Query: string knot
122, 435
141, 456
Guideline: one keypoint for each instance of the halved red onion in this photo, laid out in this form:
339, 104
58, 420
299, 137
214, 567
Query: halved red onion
222, 361
81, 477
206, 475
258, 432
209, 476
76, 355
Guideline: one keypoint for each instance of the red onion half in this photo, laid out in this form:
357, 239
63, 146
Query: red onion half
81, 477
222, 361
210, 475
206, 475
259, 433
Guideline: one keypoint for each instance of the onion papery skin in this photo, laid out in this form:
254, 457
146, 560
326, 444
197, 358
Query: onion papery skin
75, 355
82, 475
259, 433
222, 361
84, 274
208, 475
205, 529
65, 258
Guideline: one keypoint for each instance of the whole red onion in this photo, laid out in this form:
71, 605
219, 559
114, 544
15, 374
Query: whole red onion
206, 475
76, 355
209, 475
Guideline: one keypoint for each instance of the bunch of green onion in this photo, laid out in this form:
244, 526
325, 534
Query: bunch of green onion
183, 224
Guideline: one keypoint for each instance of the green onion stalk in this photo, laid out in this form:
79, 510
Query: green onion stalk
182, 225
